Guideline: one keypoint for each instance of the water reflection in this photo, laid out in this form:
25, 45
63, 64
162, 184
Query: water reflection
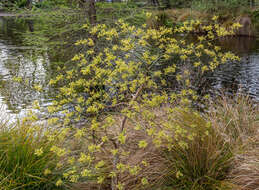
240, 45
24, 64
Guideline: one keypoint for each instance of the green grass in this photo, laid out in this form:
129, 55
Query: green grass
20, 167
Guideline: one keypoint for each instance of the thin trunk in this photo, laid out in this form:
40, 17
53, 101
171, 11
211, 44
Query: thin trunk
30, 25
28, 3
154, 3
92, 12
114, 180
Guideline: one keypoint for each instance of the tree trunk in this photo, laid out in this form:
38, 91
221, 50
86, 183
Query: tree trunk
29, 3
155, 3
30, 25
92, 12
89, 6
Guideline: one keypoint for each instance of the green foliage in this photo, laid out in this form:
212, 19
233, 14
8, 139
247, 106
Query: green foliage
215, 6
255, 17
14, 4
44, 4
26, 161
21, 3
109, 12
54, 3
180, 3
212, 5
255, 14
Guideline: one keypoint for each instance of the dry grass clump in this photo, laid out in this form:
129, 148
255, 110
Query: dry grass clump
238, 121
245, 174
166, 17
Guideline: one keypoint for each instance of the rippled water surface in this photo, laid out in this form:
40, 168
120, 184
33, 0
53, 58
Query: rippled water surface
27, 64
244, 76
21, 63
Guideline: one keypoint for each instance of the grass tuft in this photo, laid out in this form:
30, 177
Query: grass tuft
20, 166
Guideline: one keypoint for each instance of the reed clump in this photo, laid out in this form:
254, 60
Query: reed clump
26, 159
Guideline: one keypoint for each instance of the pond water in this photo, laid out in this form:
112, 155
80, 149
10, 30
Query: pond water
19, 62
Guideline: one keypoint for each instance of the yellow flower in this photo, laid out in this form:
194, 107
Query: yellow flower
142, 144
86, 173
59, 183
38, 152
104, 138
215, 18
122, 138
100, 164
197, 64
204, 68
114, 151
100, 179
90, 42
207, 96
74, 178
178, 77
79, 133
17, 79
84, 158
120, 186
47, 171
38, 88
144, 181
53, 120
178, 174
148, 14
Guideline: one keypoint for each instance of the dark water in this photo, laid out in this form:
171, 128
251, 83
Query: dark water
244, 76
32, 67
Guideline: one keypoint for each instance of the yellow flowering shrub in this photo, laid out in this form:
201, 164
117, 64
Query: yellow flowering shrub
117, 101
122, 60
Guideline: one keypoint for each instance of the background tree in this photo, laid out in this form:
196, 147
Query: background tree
92, 12
29, 3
